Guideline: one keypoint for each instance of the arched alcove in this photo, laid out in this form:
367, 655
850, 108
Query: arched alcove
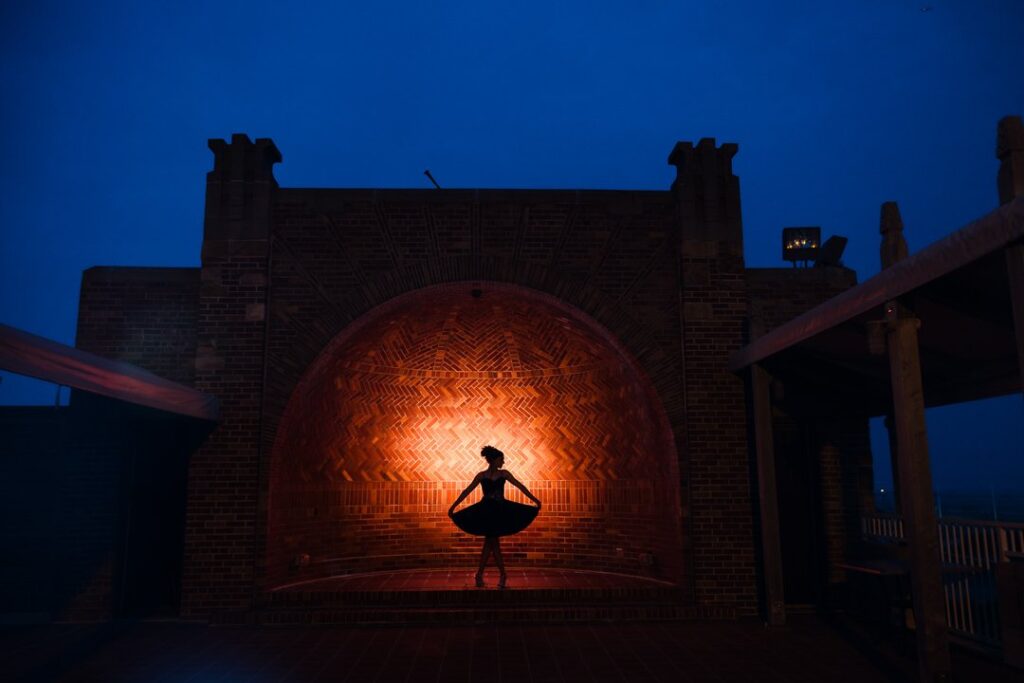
386, 426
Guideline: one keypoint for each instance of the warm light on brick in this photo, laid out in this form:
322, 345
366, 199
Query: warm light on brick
386, 428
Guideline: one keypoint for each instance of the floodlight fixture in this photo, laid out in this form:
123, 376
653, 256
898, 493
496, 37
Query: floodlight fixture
800, 244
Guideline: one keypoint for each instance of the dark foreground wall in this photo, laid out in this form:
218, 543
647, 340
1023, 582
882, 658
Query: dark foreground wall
823, 464
92, 500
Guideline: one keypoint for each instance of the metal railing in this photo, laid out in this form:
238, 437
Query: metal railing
970, 550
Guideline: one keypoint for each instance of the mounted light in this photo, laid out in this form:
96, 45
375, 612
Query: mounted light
800, 244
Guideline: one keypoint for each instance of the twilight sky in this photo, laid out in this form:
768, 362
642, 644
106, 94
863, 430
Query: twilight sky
836, 107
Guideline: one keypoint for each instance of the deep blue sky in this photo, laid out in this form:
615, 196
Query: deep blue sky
836, 106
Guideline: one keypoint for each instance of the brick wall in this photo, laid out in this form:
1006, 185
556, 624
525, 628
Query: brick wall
846, 485
778, 295
385, 430
714, 314
338, 255
714, 310
229, 363
286, 271
143, 316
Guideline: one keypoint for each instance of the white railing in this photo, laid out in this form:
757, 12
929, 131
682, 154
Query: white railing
970, 550
882, 527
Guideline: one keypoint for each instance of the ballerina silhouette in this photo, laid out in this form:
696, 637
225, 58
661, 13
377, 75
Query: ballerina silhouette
493, 516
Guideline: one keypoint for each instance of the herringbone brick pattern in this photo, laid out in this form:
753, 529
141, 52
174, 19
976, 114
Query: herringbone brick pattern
378, 442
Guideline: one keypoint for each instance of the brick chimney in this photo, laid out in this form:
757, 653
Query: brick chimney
238, 188
707, 191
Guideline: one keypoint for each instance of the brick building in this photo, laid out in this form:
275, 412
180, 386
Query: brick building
364, 344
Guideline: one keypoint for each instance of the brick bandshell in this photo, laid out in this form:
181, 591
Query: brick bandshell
286, 271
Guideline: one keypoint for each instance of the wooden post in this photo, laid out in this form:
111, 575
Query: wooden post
1015, 281
771, 552
894, 459
920, 525
1010, 183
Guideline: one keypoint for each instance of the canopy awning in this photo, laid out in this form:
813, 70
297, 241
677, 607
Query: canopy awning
957, 287
34, 356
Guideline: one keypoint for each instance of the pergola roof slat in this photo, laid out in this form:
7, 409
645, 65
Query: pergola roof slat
988, 234
28, 354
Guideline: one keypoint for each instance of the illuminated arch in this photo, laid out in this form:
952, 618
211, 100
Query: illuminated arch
385, 428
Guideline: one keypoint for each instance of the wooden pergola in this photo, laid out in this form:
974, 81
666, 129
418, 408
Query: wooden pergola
34, 356
944, 325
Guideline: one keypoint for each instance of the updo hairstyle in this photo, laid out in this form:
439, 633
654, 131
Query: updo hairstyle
490, 453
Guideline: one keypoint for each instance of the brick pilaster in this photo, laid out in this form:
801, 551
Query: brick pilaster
713, 302
224, 473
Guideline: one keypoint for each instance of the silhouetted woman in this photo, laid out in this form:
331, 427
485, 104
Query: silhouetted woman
493, 517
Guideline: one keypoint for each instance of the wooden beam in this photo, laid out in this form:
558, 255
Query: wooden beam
33, 356
988, 234
1015, 281
917, 503
771, 552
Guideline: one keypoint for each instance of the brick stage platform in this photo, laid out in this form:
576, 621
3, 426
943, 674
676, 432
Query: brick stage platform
450, 596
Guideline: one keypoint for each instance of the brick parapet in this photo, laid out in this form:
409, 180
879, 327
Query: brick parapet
777, 295
143, 316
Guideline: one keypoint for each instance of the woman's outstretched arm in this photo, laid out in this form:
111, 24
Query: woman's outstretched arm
465, 492
515, 482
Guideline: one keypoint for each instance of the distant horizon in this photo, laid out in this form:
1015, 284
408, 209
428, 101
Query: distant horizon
1002, 506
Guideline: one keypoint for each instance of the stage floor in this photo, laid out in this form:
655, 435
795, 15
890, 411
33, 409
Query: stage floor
451, 596
463, 579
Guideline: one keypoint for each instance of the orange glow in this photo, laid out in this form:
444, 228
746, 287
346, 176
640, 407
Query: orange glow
386, 428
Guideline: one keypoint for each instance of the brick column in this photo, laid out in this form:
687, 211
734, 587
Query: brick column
713, 301
224, 474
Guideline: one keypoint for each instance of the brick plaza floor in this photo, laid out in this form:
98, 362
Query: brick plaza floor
649, 652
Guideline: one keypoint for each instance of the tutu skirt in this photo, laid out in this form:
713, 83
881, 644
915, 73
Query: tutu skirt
492, 517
